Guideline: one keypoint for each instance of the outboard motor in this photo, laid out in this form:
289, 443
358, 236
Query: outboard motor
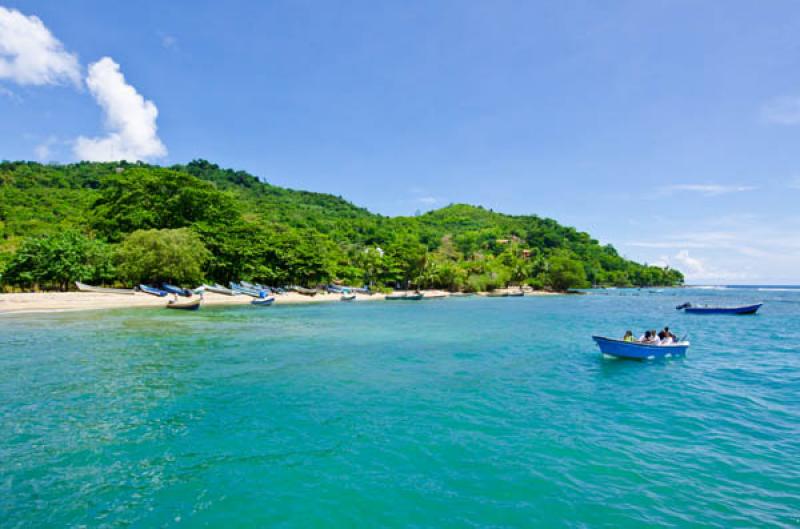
684, 306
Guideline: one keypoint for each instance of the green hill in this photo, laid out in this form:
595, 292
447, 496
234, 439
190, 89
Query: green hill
64, 222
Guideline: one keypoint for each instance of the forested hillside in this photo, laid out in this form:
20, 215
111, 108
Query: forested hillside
122, 223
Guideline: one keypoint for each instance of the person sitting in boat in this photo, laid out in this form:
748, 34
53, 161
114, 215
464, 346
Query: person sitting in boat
665, 338
628, 337
649, 338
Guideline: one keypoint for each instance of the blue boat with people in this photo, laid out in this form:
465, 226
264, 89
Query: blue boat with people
705, 309
639, 351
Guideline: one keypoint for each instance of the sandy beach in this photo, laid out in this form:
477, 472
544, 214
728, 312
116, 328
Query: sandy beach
31, 302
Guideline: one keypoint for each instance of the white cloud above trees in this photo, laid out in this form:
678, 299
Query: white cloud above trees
31, 55
129, 118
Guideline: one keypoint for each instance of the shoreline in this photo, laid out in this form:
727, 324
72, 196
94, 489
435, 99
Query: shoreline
49, 302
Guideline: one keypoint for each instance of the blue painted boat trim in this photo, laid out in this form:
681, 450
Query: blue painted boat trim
266, 302
747, 309
147, 289
252, 292
172, 289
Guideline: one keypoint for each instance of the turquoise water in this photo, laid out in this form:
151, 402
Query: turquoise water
449, 413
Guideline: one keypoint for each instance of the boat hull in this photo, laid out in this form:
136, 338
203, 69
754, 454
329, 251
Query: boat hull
639, 351
748, 309
405, 297
266, 302
83, 287
152, 291
253, 293
178, 291
219, 289
185, 305
304, 291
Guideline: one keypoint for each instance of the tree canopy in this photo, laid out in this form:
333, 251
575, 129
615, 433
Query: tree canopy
236, 226
155, 256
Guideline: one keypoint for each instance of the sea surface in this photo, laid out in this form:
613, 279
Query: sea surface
456, 413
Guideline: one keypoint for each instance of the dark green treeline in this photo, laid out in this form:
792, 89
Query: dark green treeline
122, 223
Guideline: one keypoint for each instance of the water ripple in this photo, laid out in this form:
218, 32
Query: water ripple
473, 413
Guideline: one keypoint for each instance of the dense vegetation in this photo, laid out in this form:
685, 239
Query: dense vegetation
122, 223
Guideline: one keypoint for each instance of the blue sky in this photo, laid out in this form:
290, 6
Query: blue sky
669, 129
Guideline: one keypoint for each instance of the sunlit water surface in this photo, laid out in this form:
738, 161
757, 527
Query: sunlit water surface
450, 413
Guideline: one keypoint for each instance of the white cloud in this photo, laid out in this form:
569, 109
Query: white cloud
692, 266
706, 189
31, 55
168, 41
427, 200
44, 150
5, 92
129, 118
666, 244
726, 249
697, 269
782, 111
700, 239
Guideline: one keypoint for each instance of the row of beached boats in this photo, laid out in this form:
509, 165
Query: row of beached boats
263, 296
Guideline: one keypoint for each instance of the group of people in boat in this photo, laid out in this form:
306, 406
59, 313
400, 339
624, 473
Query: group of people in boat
664, 337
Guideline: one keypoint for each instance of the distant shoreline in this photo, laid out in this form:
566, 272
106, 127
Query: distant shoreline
50, 302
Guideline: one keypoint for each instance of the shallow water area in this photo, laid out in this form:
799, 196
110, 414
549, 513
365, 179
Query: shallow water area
467, 412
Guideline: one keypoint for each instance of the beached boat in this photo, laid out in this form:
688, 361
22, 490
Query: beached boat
497, 294
216, 288
304, 291
147, 289
404, 297
192, 304
347, 297
83, 287
639, 351
266, 302
705, 309
254, 286
339, 289
252, 292
172, 289
516, 294
461, 294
